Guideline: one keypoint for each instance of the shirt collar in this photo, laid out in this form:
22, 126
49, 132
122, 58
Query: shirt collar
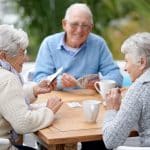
62, 43
145, 77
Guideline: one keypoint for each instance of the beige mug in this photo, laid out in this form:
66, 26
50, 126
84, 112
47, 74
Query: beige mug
104, 86
91, 110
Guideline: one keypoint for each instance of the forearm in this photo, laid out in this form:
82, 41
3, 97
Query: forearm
29, 93
112, 135
118, 125
32, 121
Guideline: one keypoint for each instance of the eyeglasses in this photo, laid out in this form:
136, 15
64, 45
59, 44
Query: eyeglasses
75, 25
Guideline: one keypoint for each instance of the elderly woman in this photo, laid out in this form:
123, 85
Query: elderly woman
135, 106
15, 114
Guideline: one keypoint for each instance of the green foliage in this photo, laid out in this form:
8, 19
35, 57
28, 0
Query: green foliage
113, 19
41, 18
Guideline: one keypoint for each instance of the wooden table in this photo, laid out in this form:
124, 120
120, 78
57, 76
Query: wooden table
69, 125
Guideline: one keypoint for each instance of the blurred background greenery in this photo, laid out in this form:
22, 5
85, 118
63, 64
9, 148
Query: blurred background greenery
115, 20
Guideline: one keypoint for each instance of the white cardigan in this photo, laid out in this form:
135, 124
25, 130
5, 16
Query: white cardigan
14, 112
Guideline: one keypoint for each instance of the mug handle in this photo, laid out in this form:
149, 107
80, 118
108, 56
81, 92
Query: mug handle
96, 87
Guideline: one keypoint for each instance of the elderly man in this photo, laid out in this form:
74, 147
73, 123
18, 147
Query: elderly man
77, 50
134, 108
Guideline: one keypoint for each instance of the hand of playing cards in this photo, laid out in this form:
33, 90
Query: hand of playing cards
84, 81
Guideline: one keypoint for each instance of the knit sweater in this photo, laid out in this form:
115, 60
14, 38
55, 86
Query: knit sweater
135, 109
14, 112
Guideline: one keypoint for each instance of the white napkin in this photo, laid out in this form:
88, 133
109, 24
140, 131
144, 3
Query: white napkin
74, 104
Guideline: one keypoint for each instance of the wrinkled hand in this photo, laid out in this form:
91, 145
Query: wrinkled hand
54, 103
113, 99
43, 87
68, 80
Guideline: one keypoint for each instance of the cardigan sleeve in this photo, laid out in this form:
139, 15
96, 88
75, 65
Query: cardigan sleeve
14, 109
28, 91
118, 125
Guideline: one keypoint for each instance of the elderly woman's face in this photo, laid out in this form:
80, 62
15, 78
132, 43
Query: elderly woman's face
77, 28
134, 69
18, 60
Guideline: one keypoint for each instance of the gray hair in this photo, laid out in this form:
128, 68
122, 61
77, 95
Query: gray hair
137, 45
76, 7
12, 39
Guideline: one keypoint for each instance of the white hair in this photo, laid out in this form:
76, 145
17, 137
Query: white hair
76, 7
12, 39
137, 45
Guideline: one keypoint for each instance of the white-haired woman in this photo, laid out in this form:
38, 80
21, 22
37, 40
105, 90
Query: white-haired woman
135, 106
15, 114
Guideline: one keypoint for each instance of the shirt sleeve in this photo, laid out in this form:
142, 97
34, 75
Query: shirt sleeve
28, 91
44, 65
108, 67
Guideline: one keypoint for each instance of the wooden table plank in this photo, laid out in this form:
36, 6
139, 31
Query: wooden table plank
74, 95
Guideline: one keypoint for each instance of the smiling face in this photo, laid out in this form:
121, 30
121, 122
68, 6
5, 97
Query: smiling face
134, 69
17, 60
77, 28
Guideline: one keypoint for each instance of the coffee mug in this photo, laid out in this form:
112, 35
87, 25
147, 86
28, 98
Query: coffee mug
91, 110
104, 86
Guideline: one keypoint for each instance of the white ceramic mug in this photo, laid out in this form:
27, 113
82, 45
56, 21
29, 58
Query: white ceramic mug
104, 86
91, 110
